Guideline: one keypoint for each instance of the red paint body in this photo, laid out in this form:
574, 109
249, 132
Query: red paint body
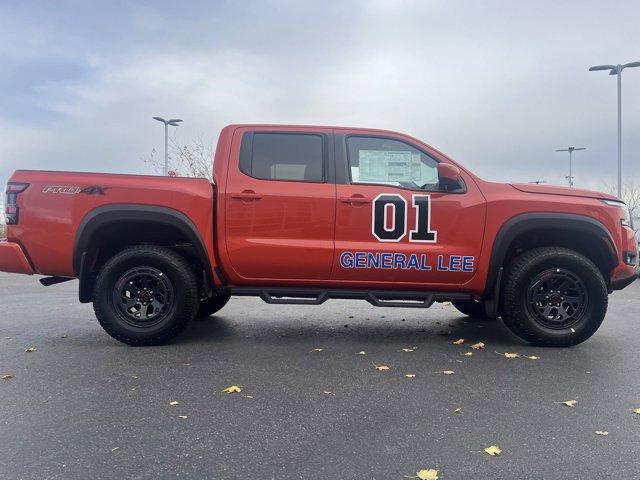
292, 233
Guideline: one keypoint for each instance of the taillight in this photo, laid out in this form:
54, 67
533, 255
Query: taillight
11, 209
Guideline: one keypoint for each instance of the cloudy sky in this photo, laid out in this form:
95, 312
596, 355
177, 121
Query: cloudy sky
498, 85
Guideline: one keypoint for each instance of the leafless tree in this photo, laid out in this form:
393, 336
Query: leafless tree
630, 196
191, 160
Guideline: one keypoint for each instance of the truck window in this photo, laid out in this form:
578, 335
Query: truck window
282, 156
390, 162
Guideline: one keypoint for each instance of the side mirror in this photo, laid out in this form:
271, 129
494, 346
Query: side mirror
448, 174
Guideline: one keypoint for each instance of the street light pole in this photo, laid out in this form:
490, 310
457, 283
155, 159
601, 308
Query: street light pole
617, 70
570, 150
174, 122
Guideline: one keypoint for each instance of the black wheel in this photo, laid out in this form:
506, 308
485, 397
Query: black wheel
472, 309
553, 297
209, 306
145, 295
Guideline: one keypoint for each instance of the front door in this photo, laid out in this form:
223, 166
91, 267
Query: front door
280, 205
396, 223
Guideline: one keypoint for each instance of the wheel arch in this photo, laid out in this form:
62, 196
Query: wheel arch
111, 226
583, 234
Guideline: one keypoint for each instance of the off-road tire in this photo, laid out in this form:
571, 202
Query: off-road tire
519, 286
472, 309
209, 306
176, 317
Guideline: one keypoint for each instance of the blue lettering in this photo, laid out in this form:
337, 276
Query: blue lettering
413, 262
467, 263
423, 263
386, 260
399, 260
346, 260
441, 267
455, 262
373, 260
361, 259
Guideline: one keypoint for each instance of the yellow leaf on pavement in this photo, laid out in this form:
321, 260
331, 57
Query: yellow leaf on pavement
533, 357
427, 474
570, 403
182, 416
467, 354
31, 349
493, 450
448, 372
478, 346
317, 350
232, 389
407, 349
362, 352
173, 403
460, 341
457, 410
8, 376
381, 368
410, 375
637, 410
600, 432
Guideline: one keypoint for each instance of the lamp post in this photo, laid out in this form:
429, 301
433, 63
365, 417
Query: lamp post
174, 122
570, 150
617, 70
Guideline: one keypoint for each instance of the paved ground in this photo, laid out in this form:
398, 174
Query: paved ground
84, 406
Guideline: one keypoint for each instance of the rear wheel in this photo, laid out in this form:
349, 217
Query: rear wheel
472, 309
553, 297
145, 295
209, 306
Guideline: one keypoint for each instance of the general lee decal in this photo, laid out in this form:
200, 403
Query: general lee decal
389, 224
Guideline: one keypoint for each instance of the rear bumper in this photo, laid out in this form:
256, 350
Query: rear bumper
13, 259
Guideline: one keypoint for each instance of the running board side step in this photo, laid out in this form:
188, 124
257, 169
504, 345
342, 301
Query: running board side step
381, 298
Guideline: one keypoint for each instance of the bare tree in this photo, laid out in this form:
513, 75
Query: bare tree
630, 196
192, 160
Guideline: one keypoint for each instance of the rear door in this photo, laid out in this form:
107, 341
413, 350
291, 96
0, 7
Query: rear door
395, 223
280, 205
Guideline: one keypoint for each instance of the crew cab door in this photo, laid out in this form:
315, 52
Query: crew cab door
280, 204
396, 222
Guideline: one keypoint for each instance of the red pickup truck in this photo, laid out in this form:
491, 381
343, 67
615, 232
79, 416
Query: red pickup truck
299, 215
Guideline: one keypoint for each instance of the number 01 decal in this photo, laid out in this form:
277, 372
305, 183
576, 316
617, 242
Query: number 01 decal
389, 218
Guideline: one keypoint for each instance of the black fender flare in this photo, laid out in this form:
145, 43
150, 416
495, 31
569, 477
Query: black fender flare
122, 213
522, 223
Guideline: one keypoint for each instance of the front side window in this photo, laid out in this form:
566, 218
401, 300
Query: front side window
390, 162
282, 156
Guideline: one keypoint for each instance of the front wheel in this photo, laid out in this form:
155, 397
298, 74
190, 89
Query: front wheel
553, 297
145, 295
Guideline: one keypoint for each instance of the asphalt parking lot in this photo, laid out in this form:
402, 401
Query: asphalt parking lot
84, 406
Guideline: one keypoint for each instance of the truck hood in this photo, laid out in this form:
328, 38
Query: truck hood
566, 191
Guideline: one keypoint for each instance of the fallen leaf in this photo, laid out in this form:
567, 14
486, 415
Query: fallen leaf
407, 349
31, 349
467, 354
115, 448
509, 355
457, 410
362, 352
533, 357
478, 346
173, 403
460, 341
637, 410
232, 389
327, 392
427, 474
381, 368
600, 432
410, 375
448, 372
493, 450
570, 403
317, 350
183, 416
248, 396
8, 376
64, 336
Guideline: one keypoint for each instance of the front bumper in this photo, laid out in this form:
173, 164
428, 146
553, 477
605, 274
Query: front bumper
13, 259
621, 283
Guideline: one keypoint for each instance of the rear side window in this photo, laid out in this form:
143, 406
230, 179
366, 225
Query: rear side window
283, 156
